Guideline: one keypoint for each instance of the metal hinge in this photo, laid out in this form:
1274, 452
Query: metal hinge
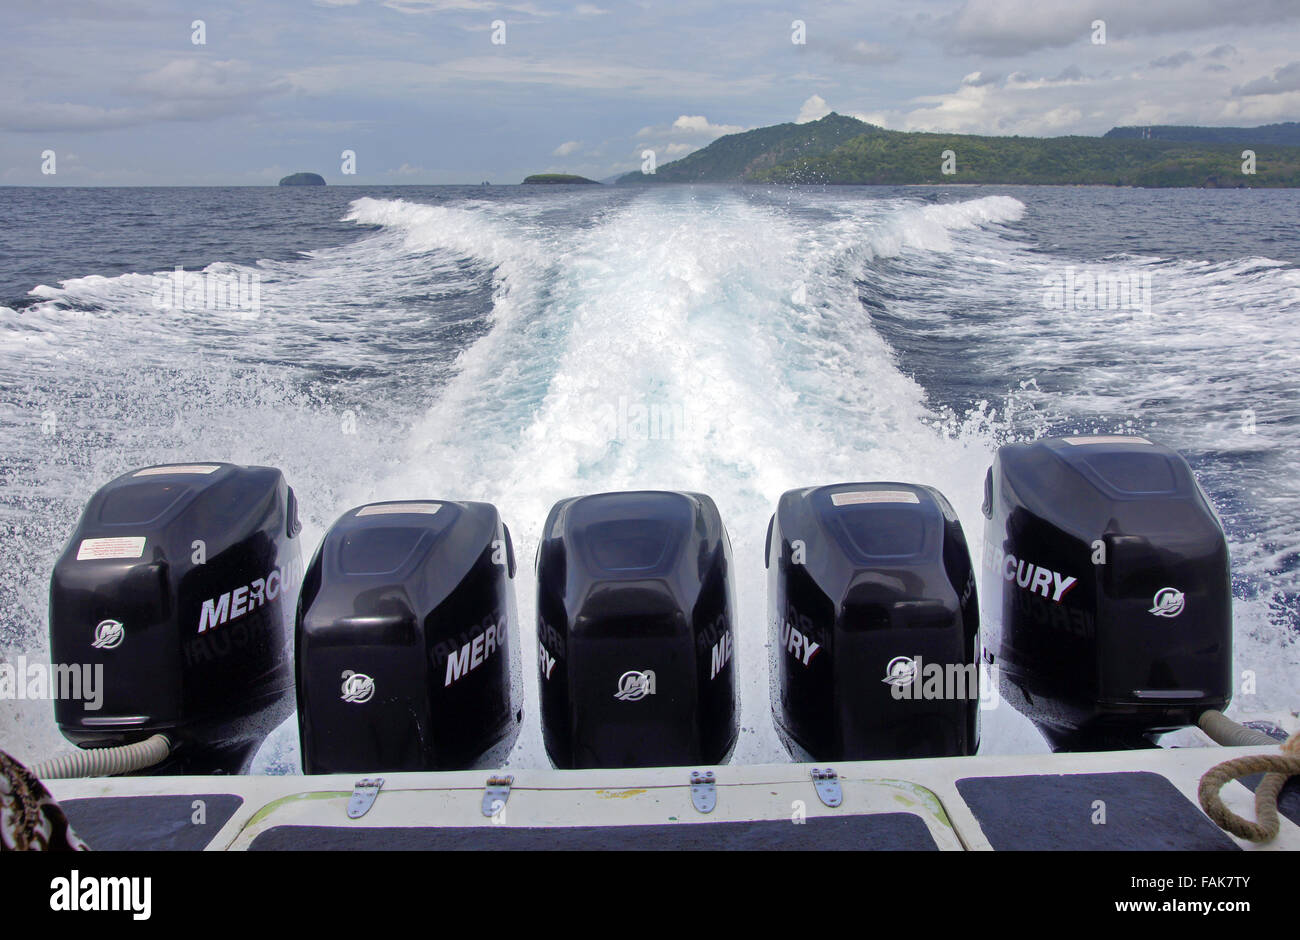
827, 783
496, 794
363, 796
704, 791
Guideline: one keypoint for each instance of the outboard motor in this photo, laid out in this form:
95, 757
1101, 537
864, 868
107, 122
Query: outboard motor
407, 652
873, 623
1107, 590
635, 608
179, 582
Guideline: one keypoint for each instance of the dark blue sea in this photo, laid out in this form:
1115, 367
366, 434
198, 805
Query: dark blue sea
523, 344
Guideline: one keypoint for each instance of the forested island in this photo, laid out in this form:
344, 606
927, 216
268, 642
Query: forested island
842, 150
303, 179
557, 178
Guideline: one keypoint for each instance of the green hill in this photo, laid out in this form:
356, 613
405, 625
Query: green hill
1280, 135
741, 156
842, 150
916, 158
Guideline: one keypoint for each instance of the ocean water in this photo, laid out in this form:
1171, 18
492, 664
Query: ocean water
503, 344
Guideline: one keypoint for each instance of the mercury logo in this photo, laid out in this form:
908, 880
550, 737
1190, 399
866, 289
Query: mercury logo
109, 634
545, 660
901, 671
1169, 602
721, 655
1028, 576
798, 644
218, 611
358, 688
635, 685
475, 653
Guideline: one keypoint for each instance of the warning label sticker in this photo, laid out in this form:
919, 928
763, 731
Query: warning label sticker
126, 546
1107, 439
178, 468
387, 509
857, 497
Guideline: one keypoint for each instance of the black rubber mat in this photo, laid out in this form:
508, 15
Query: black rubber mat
818, 833
147, 823
1142, 812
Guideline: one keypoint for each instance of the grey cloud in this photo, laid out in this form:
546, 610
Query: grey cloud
202, 79
861, 51
91, 10
45, 117
1013, 27
180, 90
1284, 79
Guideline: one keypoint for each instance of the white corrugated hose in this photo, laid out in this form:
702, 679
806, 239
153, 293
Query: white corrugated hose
105, 761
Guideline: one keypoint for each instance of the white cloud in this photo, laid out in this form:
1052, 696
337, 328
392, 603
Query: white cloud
566, 148
1075, 102
694, 126
1013, 27
813, 109
697, 125
878, 118
816, 107
688, 133
406, 170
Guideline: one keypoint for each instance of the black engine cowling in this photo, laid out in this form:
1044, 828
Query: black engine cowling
1107, 590
873, 624
407, 641
179, 582
635, 608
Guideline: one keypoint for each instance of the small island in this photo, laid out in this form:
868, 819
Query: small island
557, 178
303, 179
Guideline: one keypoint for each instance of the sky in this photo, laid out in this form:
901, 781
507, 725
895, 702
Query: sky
154, 92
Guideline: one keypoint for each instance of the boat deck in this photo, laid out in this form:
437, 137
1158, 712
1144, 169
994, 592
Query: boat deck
1131, 800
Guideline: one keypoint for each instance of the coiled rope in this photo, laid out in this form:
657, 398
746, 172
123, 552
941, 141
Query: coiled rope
1276, 768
